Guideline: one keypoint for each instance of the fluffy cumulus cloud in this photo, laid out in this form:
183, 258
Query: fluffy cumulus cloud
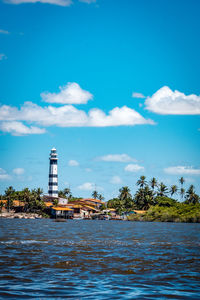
55, 2
65, 116
87, 186
138, 95
4, 175
133, 168
117, 158
182, 170
71, 93
167, 102
115, 180
73, 163
18, 171
18, 128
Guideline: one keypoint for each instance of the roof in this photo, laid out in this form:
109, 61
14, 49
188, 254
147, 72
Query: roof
48, 204
90, 207
139, 211
92, 200
61, 208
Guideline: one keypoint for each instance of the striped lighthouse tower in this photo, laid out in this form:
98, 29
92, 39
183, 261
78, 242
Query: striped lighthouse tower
53, 174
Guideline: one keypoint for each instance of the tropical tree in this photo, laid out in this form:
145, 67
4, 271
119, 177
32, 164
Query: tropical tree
141, 182
26, 198
181, 180
100, 197
9, 194
1, 205
173, 189
144, 198
95, 194
124, 193
182, 192
162, 189
153, 183
67, 193
191, 196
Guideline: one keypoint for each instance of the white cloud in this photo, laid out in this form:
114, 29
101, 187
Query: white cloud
88, 1
167, 102
71, 93
87, 186
2, 31
18, 171
133, 168
138, 95
73, 163
115, 180
88, 170
66, 116
182, 170
55, 2
2, 56
4, 175
18, 128
117, 158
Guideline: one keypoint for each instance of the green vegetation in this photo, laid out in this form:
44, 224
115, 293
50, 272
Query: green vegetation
155, 203
31, 200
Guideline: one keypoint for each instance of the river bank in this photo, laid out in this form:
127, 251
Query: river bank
21, 215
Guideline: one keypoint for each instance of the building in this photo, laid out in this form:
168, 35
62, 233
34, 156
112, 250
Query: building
53, 174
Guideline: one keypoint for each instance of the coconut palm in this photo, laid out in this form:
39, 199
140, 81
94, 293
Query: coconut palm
181, 180
1, 205
173, 189
182, 192
95, 194
144, 198
124, 193
142, 182
67, 193
100, 197
191, 196
9, 193
153, 183
162, 189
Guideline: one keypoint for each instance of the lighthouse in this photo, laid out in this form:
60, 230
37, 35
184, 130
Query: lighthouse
53, 174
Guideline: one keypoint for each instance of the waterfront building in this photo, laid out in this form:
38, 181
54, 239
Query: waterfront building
53, 174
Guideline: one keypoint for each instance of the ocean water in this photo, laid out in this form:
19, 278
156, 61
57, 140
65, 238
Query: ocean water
82, 259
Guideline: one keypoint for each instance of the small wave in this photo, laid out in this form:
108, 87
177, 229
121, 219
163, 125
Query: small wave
23, 242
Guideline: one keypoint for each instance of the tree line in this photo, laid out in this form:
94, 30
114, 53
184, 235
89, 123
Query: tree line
152, 193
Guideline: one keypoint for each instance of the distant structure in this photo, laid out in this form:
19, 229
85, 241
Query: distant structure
53, 174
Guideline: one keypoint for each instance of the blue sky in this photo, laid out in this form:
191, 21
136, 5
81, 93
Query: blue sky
112, 84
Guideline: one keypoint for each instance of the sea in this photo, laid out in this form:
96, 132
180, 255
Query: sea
91, 259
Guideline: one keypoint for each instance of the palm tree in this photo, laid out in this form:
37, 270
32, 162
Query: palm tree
67, 193
181, 180
162, 189
142, 182
173, 190
124, 193
144, 198
9, 193
153, 183
95, 194
182, 192
100, 197
191, 196
1, 206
